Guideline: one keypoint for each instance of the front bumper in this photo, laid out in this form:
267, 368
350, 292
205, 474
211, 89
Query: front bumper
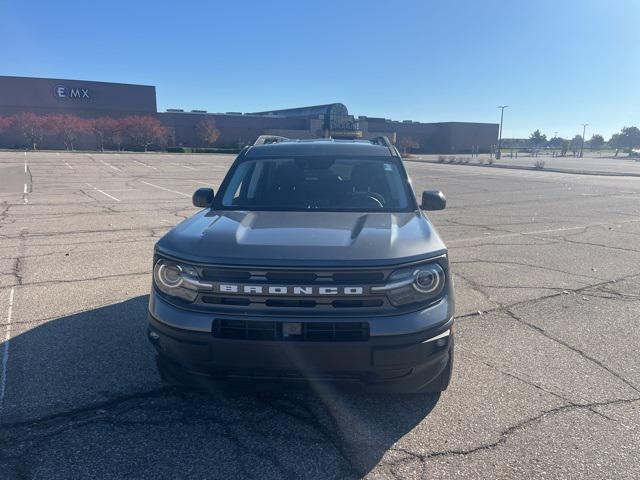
403, 353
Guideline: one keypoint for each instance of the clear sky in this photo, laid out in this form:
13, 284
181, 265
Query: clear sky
557, 63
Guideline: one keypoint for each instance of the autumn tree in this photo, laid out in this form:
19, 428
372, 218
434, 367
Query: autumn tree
118, 136
5, 123
207, 132
144, 131
408, 143
68, 127
106, 130
32, 126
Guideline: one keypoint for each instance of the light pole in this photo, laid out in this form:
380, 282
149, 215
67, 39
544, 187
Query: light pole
499, 153
584, 128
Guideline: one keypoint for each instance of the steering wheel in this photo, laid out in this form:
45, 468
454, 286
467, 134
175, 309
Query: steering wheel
367, 199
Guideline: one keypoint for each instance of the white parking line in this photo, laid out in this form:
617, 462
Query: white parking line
5, 353
25, 164
25, 188
109, 165
166, 189
103, 162
67, 164
145, 165
537, 232
183, 166
102, 192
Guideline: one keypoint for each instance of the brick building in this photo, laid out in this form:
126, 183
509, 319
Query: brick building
91, 99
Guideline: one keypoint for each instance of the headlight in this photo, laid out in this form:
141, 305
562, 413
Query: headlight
176, 279
415, 285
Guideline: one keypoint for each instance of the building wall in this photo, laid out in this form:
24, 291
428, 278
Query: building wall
95, 99
446, 137
84, 98
234, 130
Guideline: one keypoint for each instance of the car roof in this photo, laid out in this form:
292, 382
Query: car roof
320, 146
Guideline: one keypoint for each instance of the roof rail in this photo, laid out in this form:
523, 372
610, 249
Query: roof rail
267, 139
382, 140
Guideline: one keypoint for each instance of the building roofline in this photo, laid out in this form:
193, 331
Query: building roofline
20, 77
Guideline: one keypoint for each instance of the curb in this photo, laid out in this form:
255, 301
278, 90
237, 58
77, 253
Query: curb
598, 173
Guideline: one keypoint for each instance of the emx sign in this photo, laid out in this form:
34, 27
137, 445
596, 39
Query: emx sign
71, 92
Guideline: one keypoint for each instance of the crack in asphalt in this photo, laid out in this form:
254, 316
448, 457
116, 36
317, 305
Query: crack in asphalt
20, 282
580, 352
523, 264
21, 439
508, 310
537, 386
506, 433
330, 433
581, 290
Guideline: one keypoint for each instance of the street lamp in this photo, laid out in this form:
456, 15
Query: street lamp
584, 128
499, 153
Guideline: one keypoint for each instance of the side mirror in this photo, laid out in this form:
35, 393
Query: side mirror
433, 200
203, 197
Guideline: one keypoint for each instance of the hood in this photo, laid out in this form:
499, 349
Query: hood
302, 238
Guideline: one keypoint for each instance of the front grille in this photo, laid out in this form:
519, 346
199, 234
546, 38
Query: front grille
280, 375
287, 304
302, 277
294, 302
311, 331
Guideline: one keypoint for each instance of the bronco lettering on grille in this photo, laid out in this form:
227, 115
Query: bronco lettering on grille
286, 290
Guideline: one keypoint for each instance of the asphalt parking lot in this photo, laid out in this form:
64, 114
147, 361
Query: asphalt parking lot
547, 376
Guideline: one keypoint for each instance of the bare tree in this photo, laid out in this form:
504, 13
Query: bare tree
144, 131
5, 123
207, 132
67, 126
408, 143
32, 126
106, 130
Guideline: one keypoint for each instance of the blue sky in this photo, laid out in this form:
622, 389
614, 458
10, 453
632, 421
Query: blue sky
557, 63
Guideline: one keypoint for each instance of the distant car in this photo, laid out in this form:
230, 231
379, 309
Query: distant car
314, 262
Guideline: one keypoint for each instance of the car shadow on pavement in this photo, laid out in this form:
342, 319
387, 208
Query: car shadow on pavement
84, 399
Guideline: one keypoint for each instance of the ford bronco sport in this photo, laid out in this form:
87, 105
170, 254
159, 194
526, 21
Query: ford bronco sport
312, 262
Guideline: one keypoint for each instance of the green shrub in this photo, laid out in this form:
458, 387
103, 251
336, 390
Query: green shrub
201, 150
216, 150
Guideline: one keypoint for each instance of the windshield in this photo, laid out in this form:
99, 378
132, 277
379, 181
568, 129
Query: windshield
317, 183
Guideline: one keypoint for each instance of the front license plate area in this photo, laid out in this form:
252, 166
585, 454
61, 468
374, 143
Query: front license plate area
291, 329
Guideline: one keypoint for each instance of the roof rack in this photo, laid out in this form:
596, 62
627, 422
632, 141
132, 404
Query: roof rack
381, 140
267, 139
